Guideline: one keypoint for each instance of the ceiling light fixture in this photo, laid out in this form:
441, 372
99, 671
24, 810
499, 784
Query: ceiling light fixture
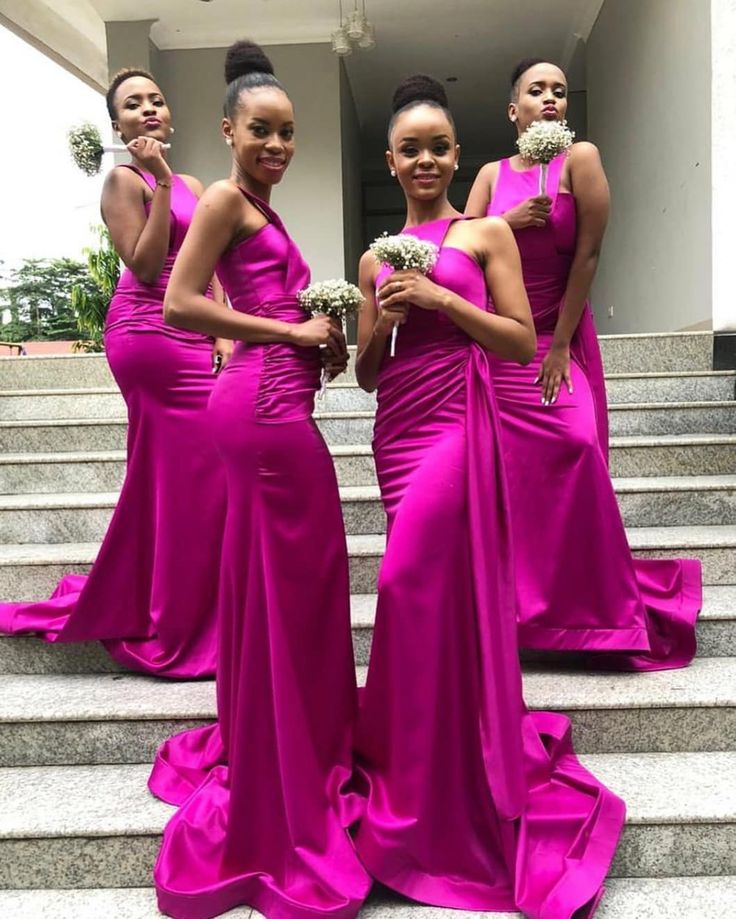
355, 30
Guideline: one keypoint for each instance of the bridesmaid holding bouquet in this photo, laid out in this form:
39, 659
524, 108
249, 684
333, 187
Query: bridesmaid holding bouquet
579, 587
472, 802
263, 814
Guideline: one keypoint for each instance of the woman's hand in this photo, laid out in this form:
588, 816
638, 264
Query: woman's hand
534, 212
335, 356
150, 154
410, 287
221, 353
336, 362
555, 368
389, 317
320, 330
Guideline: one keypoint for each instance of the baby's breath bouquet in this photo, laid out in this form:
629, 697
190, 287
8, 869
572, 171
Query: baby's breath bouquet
337, 298
402, 253
86, 148
542, 142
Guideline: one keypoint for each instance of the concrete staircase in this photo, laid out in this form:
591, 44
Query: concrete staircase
78, 829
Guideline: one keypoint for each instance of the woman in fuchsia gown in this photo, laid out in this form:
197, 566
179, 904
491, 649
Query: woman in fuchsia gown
263, 815
579, 587
151, 596
472, 802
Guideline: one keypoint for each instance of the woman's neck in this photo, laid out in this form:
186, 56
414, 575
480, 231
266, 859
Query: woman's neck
419, 211
250, 184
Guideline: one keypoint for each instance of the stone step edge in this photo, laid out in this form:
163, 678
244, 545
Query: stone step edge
619, 441
149, 818
352, 384
662, 896
709, 683
641, 485
363, 415
664, 538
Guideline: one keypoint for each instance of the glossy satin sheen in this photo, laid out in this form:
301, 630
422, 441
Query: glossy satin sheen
471, 802
262, 816
151, 595
579, 587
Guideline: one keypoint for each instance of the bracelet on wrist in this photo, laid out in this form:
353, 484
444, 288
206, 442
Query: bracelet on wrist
164, 183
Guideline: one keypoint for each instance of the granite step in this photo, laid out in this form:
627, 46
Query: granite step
98, 826
24, 654
346, 396
644, 502
115, 718
103, 471
30, 572
625, 419
700, 386
625, 898
716, 634
56, 435
668, 352
715, 546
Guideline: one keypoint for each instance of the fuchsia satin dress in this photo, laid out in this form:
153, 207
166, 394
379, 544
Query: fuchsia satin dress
579, 587
151, 595
262, 813
471, 801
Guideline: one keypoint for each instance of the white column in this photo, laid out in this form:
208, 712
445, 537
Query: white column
723, 141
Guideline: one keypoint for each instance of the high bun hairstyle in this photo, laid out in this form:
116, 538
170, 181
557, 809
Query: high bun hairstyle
419, 89
120, 77
521, 68
246, 67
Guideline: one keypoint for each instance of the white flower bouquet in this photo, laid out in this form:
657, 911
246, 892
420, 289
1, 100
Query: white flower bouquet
402, 253
337, 298
542, 142
86, 148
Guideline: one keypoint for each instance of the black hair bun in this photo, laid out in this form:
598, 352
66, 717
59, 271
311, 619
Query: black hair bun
245, 57
419, 88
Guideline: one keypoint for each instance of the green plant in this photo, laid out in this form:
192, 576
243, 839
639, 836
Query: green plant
35, 299
90, 302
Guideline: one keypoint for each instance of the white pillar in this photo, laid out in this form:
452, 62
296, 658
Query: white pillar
723, 143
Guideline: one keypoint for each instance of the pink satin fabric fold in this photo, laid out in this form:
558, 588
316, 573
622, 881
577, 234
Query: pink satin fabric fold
471, 802
151, 596
579, 587
263, 805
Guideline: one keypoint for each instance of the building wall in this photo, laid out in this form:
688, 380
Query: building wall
649, 90
310, 198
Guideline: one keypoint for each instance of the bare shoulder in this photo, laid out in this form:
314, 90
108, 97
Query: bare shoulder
488, 172
494, 230
122, 179
222, 196
584, 152
368, 266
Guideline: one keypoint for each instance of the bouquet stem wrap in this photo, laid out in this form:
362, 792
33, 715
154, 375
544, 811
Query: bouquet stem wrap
335, 298
402, 253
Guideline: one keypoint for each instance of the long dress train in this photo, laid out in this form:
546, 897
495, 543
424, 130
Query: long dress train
151, 596
263, 809
579, 587
472, 802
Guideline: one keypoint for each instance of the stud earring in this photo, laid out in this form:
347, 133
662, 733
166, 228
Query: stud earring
171, 130
393, 173
229, 141
457, 166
